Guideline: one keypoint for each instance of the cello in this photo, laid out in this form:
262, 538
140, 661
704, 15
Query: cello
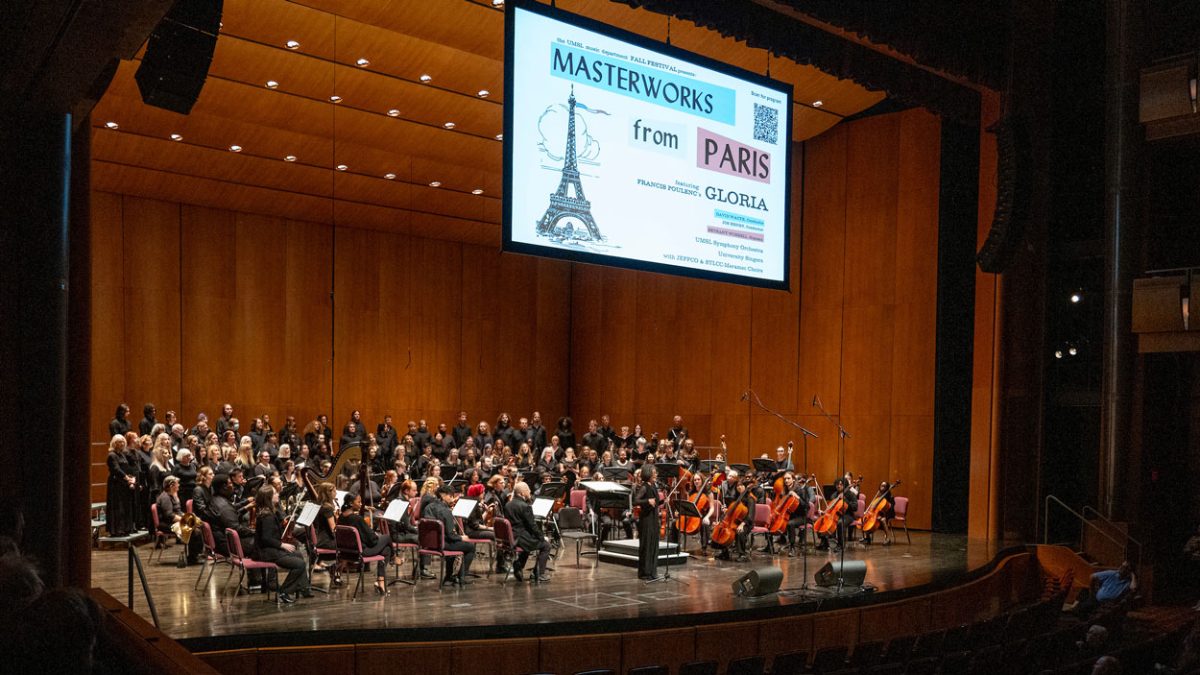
726, 530
827, 523
691, 524
783, 508
871, 517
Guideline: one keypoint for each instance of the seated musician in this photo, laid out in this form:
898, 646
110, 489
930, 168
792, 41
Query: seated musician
442, 510
733, 489
850, 495
688, 455
475, 525
429, 493
709, 515
326, 523
271, 547
799, 518
225, 516
547, 464
527, 534
372, 544
889, 504
169, 510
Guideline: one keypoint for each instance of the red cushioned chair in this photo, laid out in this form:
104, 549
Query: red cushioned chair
762, 518
350, 552
490, 543
385, 530
238, 559
210, 555
506, 542
900, 513
432, 536
160, 539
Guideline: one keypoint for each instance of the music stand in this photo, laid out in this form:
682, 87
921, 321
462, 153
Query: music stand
711, 466
617, 473
742, 469
667, 470
765, 465
552, 490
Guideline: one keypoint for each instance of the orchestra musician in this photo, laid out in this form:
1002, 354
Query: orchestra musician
850, 495
733, 489
889, 504
372, 544
645, 497
527, 534
271, 547
442, 509
799, 518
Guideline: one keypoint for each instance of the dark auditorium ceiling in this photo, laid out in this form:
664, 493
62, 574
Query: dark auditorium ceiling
381, 157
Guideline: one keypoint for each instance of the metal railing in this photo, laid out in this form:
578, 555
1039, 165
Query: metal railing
1051, 499
1129, 539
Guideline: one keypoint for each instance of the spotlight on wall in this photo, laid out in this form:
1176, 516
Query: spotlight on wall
1058, 353
1076, 297
1072, 350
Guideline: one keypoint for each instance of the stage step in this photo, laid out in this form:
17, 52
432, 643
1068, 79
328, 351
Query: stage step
625, 552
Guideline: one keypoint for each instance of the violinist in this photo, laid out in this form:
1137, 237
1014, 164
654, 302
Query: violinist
645, 496
372, 544
271, 547
884, 494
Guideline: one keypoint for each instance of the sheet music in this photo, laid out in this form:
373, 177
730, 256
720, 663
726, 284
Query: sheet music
464, 507
308, 514
542, 506
340, 495
395, 510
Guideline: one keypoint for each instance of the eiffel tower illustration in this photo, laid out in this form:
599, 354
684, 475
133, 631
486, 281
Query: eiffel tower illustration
568, 200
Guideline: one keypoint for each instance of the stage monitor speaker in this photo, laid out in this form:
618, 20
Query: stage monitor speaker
758, 582
855, 572
175, 65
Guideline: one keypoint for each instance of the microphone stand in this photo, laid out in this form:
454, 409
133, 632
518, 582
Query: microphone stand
667, 565
805, 434
842, 436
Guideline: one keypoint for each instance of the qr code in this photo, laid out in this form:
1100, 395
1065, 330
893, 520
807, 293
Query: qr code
766, 124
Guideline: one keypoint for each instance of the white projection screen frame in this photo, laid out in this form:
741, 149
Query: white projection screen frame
626, 152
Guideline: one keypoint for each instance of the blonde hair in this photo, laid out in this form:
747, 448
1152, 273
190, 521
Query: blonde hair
432, 483
118, 439
327, 494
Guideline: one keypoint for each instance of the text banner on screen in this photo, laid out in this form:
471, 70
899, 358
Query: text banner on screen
623, 151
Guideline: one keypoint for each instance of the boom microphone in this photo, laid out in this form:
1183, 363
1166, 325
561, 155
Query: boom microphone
816, 401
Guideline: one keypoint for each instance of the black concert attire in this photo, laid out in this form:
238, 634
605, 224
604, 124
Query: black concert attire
438, 510
360, 432
325, 538
265, 470
741, 540
119, 510
372, 544
387, 439
506, 433
187, 480
140, 461
118, 426
677, 435
648, 528
595, 440
422, 437
269, 542
610, 438
474, 526
168, 508
405, 531
888, 510
224, 424
347, 441
844, 521
566, 439
225, 516
798, 522
154, 481
459, 434
527, 535
288, 435
146, 425
537, 438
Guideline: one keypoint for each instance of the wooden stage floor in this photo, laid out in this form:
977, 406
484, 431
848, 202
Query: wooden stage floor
576, 598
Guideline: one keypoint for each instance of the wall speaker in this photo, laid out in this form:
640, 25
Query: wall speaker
855, 572
1014, 178
758, 582
177, 58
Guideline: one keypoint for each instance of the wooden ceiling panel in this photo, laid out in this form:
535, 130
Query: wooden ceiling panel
460, 43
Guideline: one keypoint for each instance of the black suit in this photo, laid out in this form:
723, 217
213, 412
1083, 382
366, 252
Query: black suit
226, 517
372, 544
527, 535
269, 541
438, 510
648, 529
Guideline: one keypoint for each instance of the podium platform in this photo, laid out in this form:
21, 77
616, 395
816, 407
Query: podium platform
625, 552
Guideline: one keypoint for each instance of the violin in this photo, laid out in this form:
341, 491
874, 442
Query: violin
726, 530
827, 523
871, 517
783, 508
719, 476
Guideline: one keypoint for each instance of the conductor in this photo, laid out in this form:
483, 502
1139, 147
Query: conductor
646, 498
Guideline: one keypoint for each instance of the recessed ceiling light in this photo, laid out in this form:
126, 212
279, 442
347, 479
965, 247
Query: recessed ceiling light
435, 183
477, 191
271, 84
818, 104
176, 137
426, 79
335, 99
342, 167
235, 148
394, 112
362, 63
390, 176
292, 44
289, 158
112, 125
484, 93
449, 125
499, 137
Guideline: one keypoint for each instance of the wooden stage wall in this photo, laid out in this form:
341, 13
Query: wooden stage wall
194, 307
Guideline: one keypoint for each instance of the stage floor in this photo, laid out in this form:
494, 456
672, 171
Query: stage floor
578, 594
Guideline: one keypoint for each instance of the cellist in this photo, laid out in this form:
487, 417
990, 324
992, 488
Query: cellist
799, 518
885, 495
736, 488
850, 496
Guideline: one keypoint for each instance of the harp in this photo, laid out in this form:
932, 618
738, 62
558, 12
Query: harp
313, 476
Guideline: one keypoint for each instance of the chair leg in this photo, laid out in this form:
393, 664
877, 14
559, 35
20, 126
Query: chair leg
203, 565
906, 534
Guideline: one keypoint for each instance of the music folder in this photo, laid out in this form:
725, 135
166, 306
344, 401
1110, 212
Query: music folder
395, 510
340, 496
542, 506
464, 507
308, 514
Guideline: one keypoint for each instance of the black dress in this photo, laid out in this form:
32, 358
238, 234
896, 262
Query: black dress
119, 510
648, 529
